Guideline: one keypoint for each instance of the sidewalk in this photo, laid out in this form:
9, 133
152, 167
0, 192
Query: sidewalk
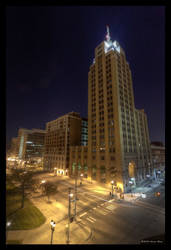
79, 234
137, 192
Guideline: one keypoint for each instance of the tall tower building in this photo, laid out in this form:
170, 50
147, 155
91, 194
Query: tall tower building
113, 143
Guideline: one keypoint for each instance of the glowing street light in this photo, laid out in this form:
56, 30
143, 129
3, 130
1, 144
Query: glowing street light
81, 175
52, 223
8, 224
43, 181
71, 195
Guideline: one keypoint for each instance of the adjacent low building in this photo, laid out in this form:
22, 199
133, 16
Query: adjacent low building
62, 133
79, 161
14, 147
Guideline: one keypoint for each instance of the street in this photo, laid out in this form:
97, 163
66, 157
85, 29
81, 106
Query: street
110, 221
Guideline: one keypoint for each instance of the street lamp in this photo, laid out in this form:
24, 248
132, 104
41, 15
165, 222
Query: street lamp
112, 183
70, 195
55, 171
52, 223
8, 224
81, 175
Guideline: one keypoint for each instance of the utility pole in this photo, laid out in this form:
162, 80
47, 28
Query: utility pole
75, 209
69, 213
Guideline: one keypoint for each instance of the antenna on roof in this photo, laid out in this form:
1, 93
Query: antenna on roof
108, 34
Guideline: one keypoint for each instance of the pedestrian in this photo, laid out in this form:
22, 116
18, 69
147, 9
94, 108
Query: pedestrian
110, 193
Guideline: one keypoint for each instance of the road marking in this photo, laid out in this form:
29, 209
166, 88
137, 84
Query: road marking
83, 214
101, 212
111, 207
111, 200
90, 220
152, 207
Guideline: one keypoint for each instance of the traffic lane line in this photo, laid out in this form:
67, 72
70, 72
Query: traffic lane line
90, 220
83, 214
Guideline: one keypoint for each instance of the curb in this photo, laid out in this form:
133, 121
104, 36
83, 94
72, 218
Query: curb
90, 235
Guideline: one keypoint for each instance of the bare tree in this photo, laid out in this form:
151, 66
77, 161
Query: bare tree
49, 189
24, 180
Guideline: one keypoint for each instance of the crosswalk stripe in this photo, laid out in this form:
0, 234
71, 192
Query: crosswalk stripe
102, 212
111, 207
83, 214
90, 220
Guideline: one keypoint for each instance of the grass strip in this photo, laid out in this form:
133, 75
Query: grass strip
26, 218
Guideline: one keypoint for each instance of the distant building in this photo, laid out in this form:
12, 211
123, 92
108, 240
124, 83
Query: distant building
67, 130
31, 144
158, 155
157, 143
14, 147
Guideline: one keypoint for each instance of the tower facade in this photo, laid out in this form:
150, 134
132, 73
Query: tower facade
113, 142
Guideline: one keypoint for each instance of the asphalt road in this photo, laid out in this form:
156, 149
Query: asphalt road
152, 199
118, 224
110, 222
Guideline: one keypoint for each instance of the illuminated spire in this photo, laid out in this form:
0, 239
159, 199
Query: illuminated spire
108, 35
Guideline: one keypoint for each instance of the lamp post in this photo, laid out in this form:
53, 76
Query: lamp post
131, 188
75, 208
54, 171
8, 224
52, 223
69, 213
81, 175
112, 183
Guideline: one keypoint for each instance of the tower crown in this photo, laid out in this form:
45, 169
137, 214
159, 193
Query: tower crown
109, 45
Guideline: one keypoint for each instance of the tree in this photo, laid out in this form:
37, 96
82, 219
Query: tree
24, 180
49, 188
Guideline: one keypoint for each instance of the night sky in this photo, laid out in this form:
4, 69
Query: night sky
49, 51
